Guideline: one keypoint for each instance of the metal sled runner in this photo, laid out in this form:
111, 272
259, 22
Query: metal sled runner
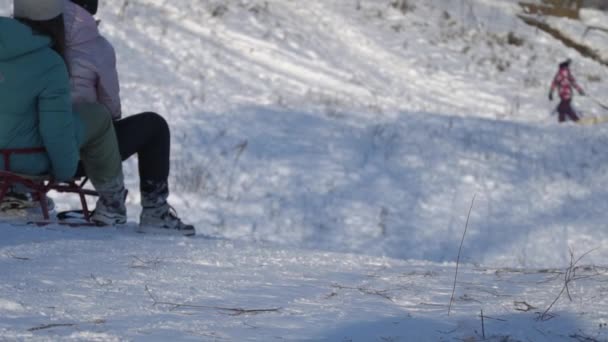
40, 185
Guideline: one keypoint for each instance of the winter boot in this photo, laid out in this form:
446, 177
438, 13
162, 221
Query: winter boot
157, 216
111, 209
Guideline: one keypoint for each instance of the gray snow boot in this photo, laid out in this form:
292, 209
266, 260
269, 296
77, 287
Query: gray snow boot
111, 209
157, 216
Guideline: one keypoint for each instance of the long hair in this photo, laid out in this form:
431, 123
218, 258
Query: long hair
53, 28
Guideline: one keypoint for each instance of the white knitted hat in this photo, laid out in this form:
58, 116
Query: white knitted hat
37, 10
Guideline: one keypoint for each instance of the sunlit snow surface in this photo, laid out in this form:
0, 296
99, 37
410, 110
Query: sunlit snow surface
117, 285
328, 153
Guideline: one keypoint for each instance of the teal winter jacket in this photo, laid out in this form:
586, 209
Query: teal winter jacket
35, 104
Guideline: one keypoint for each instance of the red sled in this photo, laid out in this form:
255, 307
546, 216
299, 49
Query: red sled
40, 185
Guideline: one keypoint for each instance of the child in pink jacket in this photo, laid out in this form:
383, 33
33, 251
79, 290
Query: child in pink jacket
564, 82
92, 61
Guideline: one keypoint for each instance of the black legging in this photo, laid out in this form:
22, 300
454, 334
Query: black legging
146, 134
565, 110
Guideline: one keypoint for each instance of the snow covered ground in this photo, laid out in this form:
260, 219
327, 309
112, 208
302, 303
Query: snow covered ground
328, 153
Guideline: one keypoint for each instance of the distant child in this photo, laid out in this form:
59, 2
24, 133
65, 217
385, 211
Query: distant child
564, 81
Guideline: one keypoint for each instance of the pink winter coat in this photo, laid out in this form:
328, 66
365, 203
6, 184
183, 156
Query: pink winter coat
91, 60
564, 81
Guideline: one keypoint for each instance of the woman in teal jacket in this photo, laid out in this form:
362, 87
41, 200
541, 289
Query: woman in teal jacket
36, 108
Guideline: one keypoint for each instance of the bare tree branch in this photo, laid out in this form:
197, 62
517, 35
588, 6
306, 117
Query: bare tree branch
52, 325
232, 311
368, 291
466, 226
569, 276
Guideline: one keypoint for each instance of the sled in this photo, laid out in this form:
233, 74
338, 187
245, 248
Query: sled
599, 103
593, 120
40, 185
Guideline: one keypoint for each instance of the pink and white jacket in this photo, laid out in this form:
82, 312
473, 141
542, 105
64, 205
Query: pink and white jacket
91, 61
564, 81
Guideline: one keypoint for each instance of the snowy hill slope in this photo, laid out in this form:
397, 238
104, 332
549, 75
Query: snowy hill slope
336, 146
441, 57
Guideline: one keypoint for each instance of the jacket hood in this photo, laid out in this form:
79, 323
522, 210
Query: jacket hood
80, 26
17, 39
